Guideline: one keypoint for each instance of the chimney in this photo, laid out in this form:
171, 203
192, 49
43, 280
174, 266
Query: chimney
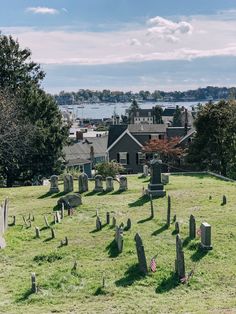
92, 154
79, 136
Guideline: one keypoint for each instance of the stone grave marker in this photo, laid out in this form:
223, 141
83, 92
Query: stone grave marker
46, 222
151, 204
145, 170
54, 184
128, 227
108, 218
68, 183
179, 262
109, 184
155, 187
174, 218
83, 182
6, 206
98, 224
58, 217
177, 227
168, 211
224, 200
141, 254
206, 236
119, 238
37, 232
165, 178
98, 183
113, 222
53, 235
34, 287
123, 183
192, 227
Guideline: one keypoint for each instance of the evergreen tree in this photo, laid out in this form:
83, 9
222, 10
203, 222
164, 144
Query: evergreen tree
177, 118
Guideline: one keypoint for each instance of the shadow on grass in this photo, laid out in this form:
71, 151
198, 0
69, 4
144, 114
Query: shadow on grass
25, 296
186, 241
131, 275
141, 201
160, 230
100, 291
91, 193
59, 194
199, 254
46, 195
168, 284
174, 232
145, 220
118, 192
48, 239
112, 249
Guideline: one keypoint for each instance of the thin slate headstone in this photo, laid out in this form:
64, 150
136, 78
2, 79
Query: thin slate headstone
141, 254
62, 210
119, 238
37, 232
6, 209
174, 218
54, 184
145, 170
83, 182
58, 217
179, 262
68, 183
192, 227
53, 235
128, 227
97, 213
34, 287
176, 227
206, 236
113, 222
2, 225
224, 200
108, 218
109, 184
98, 224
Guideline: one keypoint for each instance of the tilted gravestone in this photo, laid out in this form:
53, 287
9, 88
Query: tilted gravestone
141, 254
176, 227
98, 183
123, 183
168, 211
179, 262
58, 217
206, 236
192, 227
70, 200
68, 183
46, 222
113, 222
53, 235
54, 184
83, 182
109, 184
98, 224
119, 238
62, 210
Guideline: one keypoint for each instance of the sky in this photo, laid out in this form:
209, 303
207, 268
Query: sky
127, 44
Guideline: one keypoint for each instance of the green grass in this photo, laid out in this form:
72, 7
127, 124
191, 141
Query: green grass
62, 289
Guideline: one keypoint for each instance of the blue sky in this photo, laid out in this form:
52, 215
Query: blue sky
127, 44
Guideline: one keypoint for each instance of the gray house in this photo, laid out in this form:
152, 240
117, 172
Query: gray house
125, 142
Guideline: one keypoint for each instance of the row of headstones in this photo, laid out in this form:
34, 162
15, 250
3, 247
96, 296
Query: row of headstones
83, 183
4, 209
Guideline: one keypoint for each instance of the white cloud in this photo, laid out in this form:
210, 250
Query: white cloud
42, 10
134, 42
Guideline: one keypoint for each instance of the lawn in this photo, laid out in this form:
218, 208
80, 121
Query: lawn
212, 289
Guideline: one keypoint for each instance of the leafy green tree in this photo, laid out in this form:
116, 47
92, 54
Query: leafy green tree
214, 146
177, 118
109, 169
158, 111
20, 77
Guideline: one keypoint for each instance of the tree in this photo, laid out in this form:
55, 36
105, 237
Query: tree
214, 145
158, 111
21, 78
109, 169
177, 118
133, 107
168, 149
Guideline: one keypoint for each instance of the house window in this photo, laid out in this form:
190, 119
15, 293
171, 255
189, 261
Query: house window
123, 158
140, 158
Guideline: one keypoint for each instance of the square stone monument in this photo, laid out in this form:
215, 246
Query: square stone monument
206, 236
155, 187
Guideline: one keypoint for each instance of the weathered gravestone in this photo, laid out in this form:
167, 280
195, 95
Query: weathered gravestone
165, 178
46, 222
141, 254
113, 222
83, 182
58, 217
37, 232
6, 206
98, 183
192, 227
119, 238
68, 183
71, 200
62, 210
155, 187
123, 183
34, 287
54, 184
224, 200
98, 224
179, 262
145, 170
168, 211
205, 236
176, 227
108, 218
109, 184
53, 235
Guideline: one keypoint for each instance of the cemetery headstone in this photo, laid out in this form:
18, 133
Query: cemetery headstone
109, 184
224, 200
145, 170
98, 224
141, 254
155, 187
168, 211
62, 210
113, 222
54, 184
176, 227
83, 182
174, 218
6, 205
108, 218
68, 183
119, 238
179, 262
123, 183
58, 217
46, 222
192, 227
128, 227
152, 209
34, 287
206, 236
53, 235
70, 200
37, 232
165, 178
98, 183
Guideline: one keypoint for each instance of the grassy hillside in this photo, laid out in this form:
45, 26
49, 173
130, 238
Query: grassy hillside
212, 289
